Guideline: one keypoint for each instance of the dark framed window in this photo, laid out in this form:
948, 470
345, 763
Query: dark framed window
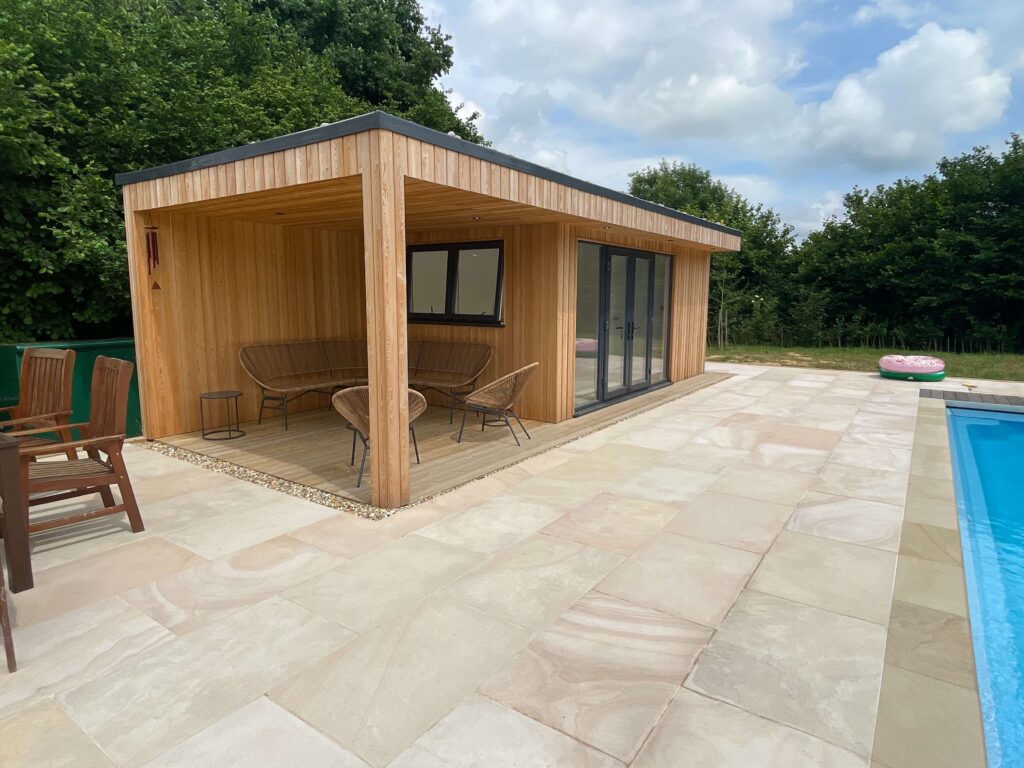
456, 282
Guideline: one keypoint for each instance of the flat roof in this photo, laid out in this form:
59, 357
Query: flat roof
384, 121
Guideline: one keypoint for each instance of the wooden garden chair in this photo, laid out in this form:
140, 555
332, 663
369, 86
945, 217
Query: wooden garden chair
354, 404
44, 399
497, 399
102, 465
5, 626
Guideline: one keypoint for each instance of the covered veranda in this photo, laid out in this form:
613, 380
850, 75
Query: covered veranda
314, 451
305, 237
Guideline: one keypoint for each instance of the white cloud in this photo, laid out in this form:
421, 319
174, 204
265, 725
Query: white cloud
830, 204
664, 67
754, 187
465, 107
900, 11
806, 217
607, 87
897, 113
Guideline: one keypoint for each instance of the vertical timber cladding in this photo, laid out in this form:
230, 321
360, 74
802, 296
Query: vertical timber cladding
168, 336
533, 313
690, 275
221, 284
171, 339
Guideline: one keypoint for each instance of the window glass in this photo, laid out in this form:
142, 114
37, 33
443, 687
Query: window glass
588, 317
455, 282
477, 282
429, 278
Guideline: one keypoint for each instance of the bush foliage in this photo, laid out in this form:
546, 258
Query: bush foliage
93, 87
935, 263
89, 88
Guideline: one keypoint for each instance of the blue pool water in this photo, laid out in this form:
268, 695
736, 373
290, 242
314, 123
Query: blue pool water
988, 464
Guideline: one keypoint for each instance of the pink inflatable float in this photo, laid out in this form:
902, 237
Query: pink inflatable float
912, 367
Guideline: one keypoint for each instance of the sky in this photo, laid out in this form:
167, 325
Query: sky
791, 102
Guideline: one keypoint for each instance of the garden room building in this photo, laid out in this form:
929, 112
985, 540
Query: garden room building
382, 232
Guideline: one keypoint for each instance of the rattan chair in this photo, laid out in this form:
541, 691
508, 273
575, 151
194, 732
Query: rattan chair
497, 399
354, 404
101, 467
44, 397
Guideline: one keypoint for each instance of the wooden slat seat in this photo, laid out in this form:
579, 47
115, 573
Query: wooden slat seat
68, 469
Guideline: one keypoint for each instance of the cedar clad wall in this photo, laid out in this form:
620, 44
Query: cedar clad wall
691, 271
225, 283
533, 307
414, 159
232, 273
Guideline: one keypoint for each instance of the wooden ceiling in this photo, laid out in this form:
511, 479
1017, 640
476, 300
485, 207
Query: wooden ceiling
432, 206
337, 204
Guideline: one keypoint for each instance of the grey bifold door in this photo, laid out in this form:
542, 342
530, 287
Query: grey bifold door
621, 322
627, 353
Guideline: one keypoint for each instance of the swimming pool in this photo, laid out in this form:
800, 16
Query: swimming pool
988, 466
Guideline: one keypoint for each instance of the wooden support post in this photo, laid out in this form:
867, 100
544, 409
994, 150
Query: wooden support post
386, 331
16, 546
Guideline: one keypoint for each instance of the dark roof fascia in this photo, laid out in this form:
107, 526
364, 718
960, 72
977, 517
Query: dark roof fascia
384, 121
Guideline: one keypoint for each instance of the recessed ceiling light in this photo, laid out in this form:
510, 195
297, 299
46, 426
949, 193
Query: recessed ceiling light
476, 218
279, 213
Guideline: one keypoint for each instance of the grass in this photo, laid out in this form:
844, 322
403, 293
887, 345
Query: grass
962, 365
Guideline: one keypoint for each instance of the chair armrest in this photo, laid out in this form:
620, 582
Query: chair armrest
46, 430
34, 419
115, 442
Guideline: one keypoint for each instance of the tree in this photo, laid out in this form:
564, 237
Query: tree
924, 263
384, 53
746, 287
934, 262
92, 87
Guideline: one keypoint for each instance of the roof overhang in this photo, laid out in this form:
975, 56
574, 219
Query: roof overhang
383, 121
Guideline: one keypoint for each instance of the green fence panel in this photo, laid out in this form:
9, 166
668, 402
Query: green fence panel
86, 354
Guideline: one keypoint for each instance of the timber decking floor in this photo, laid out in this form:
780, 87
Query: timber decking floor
316, 449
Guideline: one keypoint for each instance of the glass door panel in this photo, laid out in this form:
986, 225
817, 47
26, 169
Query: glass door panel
623, 300
588, 322
640, 318
618, 329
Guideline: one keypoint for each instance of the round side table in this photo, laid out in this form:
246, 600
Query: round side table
230, 430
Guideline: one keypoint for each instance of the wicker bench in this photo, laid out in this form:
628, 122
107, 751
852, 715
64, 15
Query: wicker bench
285, 371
